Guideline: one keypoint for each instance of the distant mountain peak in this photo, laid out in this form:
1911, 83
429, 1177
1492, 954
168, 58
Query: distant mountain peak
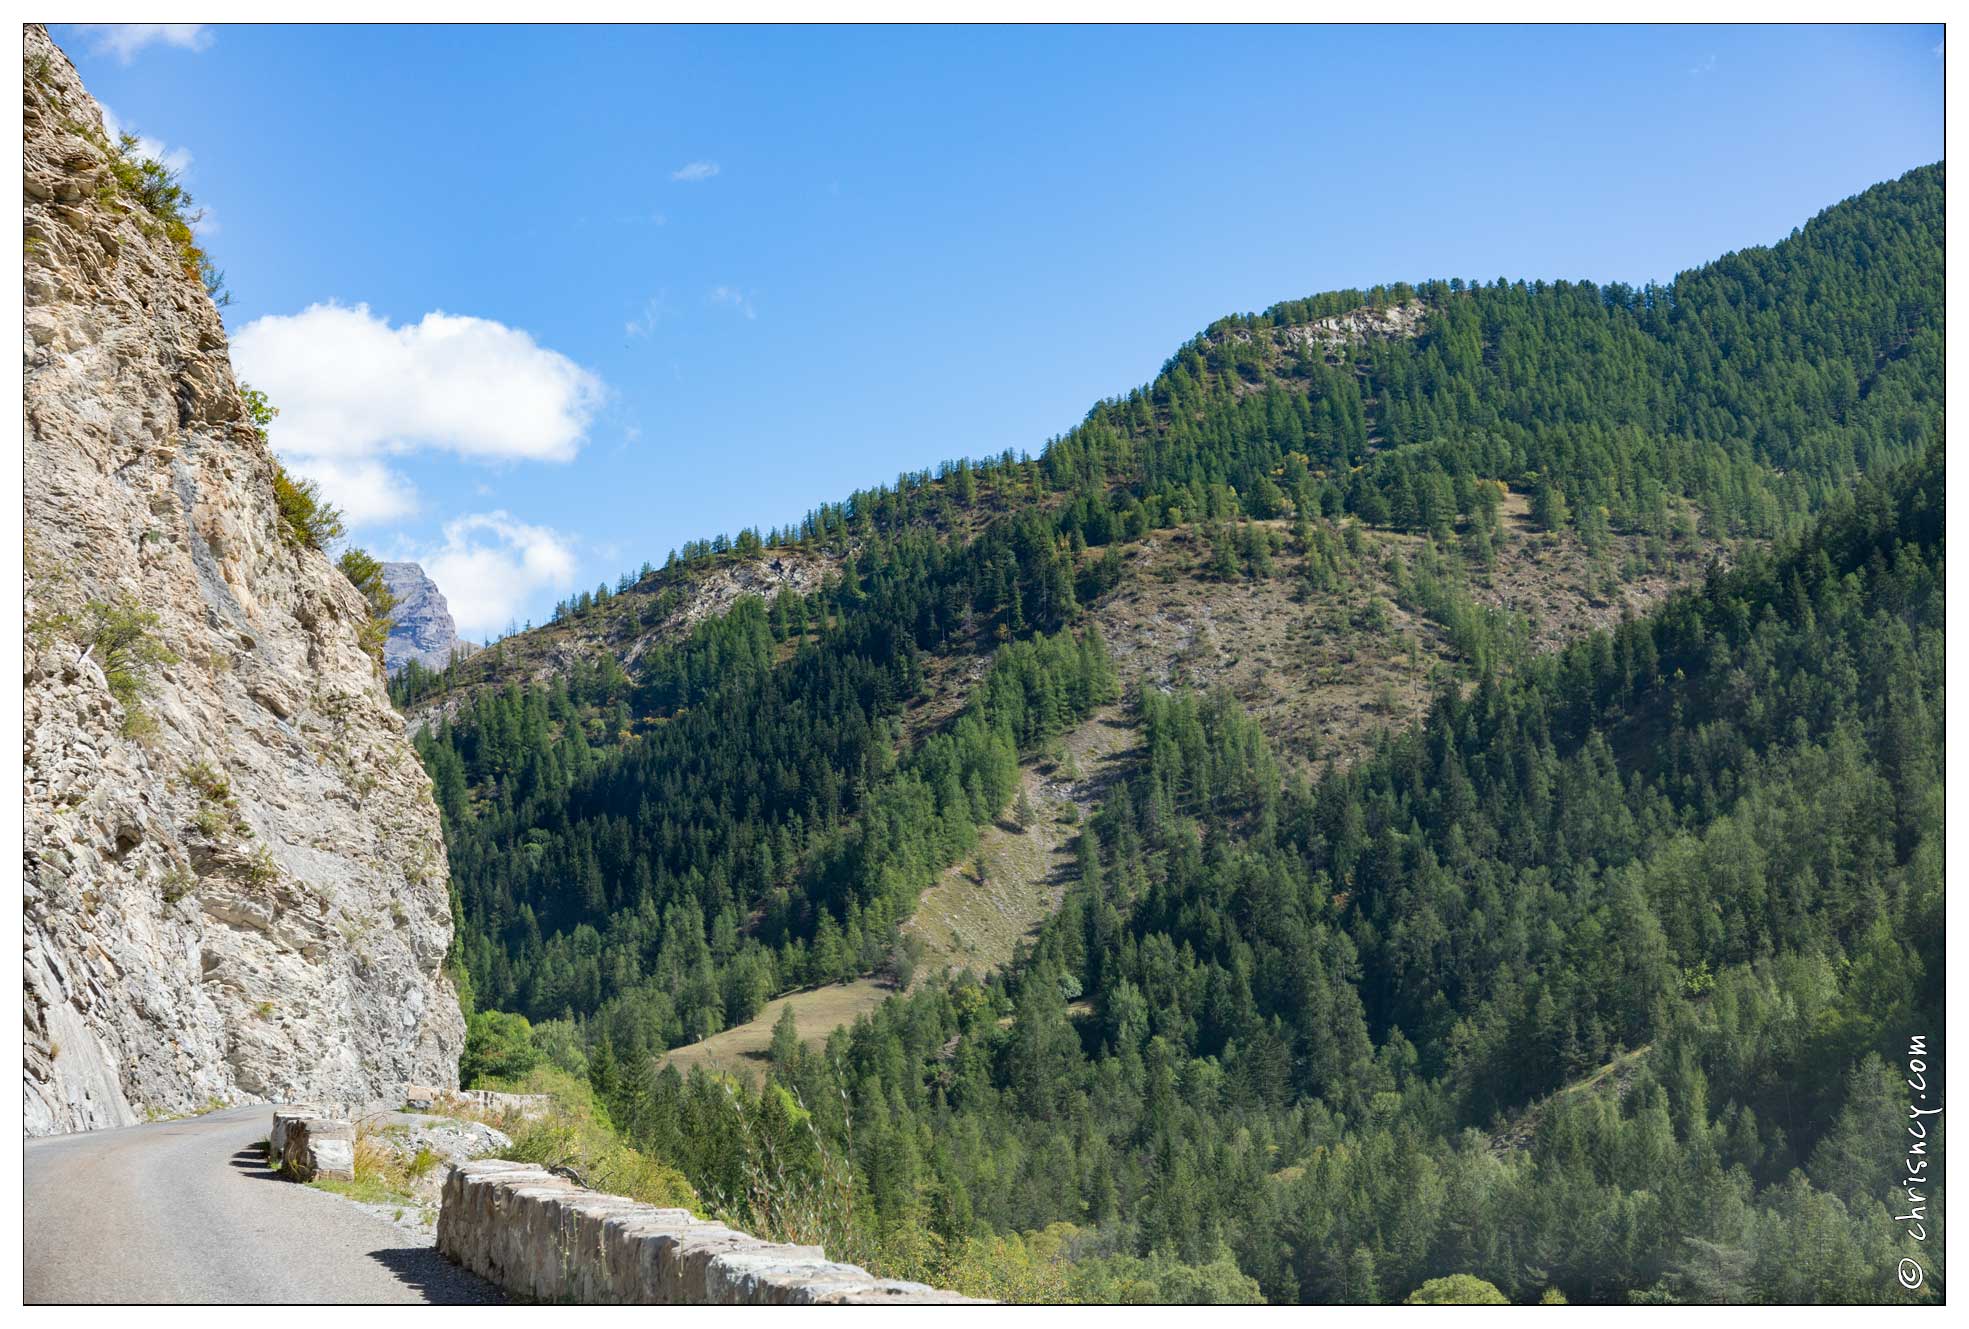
421, 627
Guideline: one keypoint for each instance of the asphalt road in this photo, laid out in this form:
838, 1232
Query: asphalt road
187, 1211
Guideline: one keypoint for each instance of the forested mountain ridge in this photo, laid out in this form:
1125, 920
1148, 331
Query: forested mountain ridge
1264, 1044
1296, 959
1756, 386
664, 607
1408, 425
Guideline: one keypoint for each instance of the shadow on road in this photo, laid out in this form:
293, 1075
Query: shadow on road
252, 1160
437, 1279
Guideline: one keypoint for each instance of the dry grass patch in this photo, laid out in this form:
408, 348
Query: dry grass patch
980, 909
741, 1050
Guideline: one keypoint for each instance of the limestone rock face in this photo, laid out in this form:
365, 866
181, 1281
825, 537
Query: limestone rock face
420, 625
234, 880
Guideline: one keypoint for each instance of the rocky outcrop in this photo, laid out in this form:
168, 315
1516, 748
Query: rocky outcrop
1388, 323
1336, 332
541, 1236
662, 608
420, 623
234, 882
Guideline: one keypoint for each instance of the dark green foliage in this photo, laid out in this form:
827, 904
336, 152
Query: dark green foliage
498, 1046
731, 825
1714, 835
1699, 856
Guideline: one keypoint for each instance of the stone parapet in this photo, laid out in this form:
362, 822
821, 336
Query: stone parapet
539, 1235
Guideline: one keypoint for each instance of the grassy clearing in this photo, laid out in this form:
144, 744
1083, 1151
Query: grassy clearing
972, 919
962, 921
741, 1050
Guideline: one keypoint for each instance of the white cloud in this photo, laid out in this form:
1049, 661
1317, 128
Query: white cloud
645, 323
353, 390
737, 299
692, 172
175, 160
1707, 66
491, 566
366, 490
125, 40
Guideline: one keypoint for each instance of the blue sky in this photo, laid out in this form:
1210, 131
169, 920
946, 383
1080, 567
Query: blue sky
696, 279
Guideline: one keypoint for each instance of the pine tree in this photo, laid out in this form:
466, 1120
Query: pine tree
786, 1041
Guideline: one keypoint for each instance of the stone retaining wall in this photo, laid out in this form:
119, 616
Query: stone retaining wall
307, 1146
427, 1098
543, 1237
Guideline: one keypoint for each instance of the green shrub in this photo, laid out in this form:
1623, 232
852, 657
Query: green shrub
177, 884
575, 1133
559, 1041
307, 519
366, 575
212, 786
119, 635
260, 869
160, 193
258, 409
1457, 1290
498, 1046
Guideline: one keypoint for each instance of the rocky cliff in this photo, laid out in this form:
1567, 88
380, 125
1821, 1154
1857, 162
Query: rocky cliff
420, 624
663, 607
234, 880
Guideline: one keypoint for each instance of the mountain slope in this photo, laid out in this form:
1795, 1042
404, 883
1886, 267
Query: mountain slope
665, 811
1289, 1021
1307, 963
234, 874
